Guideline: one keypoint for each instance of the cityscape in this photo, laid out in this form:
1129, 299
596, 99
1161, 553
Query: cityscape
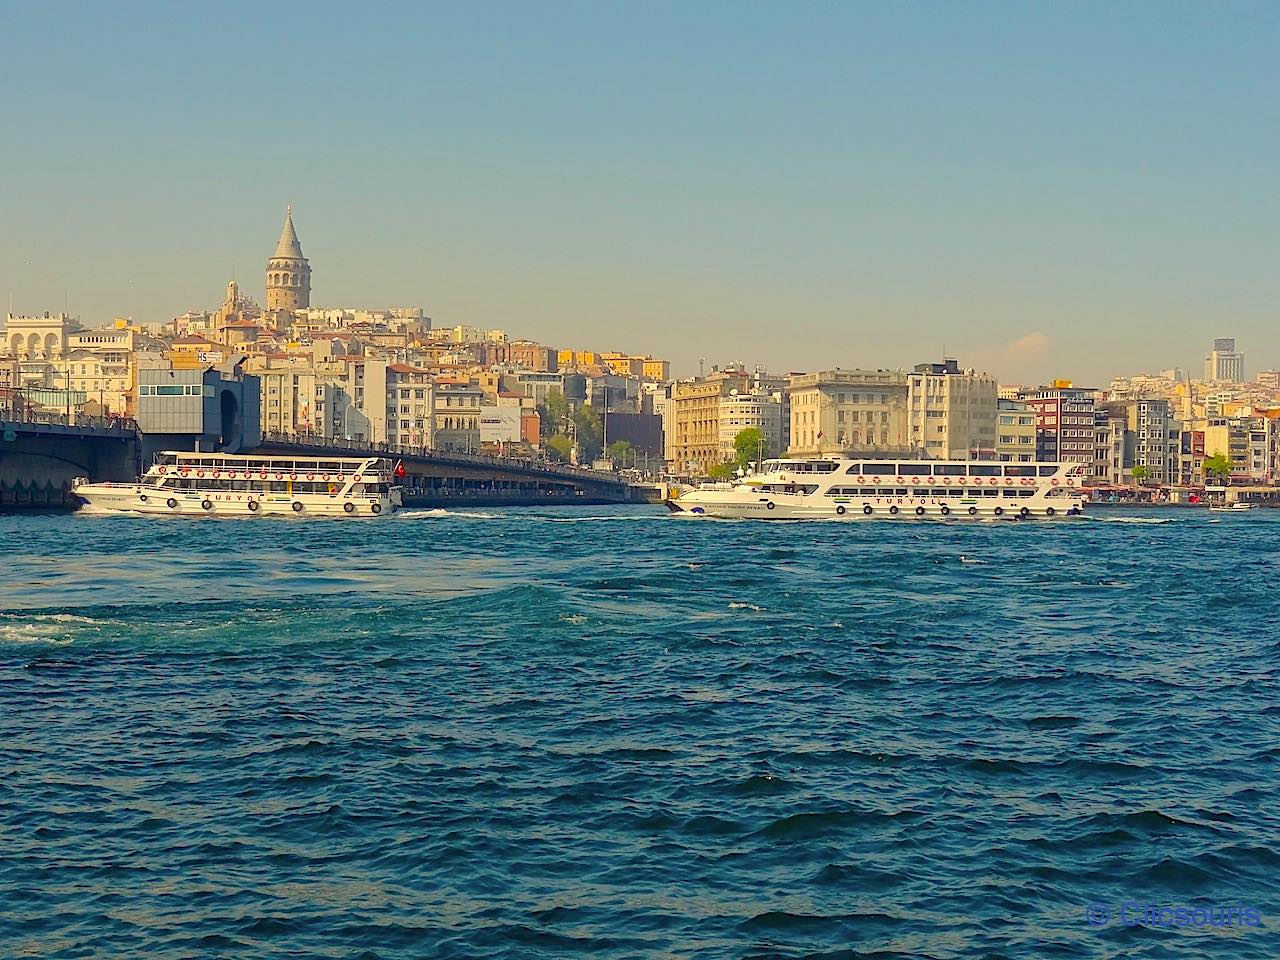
682, 480
390, 376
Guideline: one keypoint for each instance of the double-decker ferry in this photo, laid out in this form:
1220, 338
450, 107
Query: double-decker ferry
227, 485
833, 488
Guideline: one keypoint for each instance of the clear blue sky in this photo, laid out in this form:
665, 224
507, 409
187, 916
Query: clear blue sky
1042, 189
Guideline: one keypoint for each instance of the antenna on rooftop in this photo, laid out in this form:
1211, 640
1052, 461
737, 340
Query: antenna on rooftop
701, 362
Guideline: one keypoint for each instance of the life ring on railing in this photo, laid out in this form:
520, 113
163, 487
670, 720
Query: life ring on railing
279, 475
262, 475
931, 481
875, 480
1053, 482
199, 473
247, 474
862, 479
162, 469
946, 481
215, 473
1008, 481
183, 471
293, 476
357, 478
311, 476
900, 480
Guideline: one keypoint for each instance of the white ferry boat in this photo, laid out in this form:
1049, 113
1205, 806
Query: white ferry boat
901, 489
226, 485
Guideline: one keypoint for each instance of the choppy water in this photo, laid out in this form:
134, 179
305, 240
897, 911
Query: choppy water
618, 734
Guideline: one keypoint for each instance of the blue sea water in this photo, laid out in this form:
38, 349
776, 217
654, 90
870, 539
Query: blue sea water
613, 733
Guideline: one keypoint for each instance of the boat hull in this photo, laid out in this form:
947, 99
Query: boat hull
142, 499
783, 507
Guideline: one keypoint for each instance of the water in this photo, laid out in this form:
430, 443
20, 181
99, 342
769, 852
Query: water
612, 733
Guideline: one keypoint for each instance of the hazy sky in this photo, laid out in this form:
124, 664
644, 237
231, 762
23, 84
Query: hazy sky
1064, 189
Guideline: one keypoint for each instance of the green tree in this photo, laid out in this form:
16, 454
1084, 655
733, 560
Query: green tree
1140, 474
560, 445
554, 413
749, 445
621, 451
1219, 465
590, 432
723, 471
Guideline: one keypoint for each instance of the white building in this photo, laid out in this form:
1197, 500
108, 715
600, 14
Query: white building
858, 412
952, 412
746, 411
39, 338
1224, 364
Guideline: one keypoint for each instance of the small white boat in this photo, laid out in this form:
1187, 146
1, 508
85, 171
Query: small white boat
227, 485
856, 489
1237, 507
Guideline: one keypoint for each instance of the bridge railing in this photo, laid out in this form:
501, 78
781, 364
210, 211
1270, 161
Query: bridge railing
27, 417
431, 453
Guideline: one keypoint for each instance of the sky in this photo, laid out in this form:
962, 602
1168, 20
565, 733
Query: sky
1038, 189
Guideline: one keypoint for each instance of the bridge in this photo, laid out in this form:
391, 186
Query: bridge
40, 454
443, 477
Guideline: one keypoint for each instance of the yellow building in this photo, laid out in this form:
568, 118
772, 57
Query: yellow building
695, 423
849, 412
195, 353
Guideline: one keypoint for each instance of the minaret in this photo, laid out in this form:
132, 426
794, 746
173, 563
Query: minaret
288, 273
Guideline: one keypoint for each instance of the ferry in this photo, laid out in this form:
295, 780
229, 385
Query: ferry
227, 485
838, 488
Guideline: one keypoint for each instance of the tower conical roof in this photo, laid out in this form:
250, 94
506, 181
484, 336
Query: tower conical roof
289, 247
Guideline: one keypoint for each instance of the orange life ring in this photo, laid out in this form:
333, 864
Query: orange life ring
932, 481
279, 475
1053, 482
311, 476
247, 473
217, 473
161, 469
946, 481
183, 471
293, 476
1071, 481
199, 473
900, 480
875, 480
357, 478
325, 477
1008, 481
862, 479
262, 474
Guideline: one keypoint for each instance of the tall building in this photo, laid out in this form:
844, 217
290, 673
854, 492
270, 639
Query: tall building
1065, 429
849, 412
1224, 364
1016, 436
693, 442
951, 412
288, 272
745, 411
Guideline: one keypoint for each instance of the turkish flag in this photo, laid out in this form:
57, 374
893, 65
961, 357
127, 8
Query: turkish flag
400, 471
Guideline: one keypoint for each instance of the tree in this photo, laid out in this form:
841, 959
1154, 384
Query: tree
621, 450
554, 413
1140, 474
560, 445
748, 445
590, 432
723, 471
1219, 465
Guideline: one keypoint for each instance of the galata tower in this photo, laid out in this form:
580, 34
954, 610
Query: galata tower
288, 273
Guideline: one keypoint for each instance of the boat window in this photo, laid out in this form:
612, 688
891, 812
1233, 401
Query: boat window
949, 469
1021, 470
868, 491
974, 493
879, 469
1048, 471
984, 470
854, 468
955, 492
898, 491
1011, 493
921, 492
914, 469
